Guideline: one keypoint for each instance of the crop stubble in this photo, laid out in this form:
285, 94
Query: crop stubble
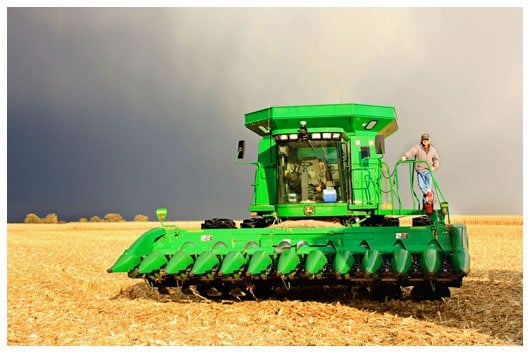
60, 294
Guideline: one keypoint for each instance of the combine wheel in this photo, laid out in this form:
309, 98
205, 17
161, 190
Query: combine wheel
255, 222
260, 290
218, 223
442, 291
200, 290
391, 222
211, 291
162, 290
384, 291
381, 221
237, 293
421, 221
361, 293
426, 291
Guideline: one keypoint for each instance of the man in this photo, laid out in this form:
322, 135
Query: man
424, 151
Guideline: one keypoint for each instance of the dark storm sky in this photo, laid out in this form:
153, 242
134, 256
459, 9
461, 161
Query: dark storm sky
129, 109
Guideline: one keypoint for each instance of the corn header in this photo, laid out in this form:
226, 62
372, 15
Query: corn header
327, 211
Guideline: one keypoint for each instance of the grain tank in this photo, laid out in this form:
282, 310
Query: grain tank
327, 210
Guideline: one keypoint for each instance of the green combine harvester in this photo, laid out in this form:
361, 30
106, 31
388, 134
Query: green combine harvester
327, 211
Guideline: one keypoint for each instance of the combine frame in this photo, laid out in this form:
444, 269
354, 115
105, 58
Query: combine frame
316, 163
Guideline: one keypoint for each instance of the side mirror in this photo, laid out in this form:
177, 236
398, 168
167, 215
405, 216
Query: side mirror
240, 149
380, 144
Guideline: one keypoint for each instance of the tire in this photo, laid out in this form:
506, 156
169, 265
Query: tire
218, 223
421, 221
424, 291
391, 222
255, 222
382, 292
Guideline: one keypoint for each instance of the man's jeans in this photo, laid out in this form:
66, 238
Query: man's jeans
424, 182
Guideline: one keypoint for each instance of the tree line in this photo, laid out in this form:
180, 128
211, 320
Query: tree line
52, 218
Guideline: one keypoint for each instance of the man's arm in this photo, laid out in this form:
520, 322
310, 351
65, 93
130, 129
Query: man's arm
410, 153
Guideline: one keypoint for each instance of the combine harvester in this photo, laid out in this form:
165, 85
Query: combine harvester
326, 212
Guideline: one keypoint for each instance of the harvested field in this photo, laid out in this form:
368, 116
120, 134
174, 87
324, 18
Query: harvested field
59, 294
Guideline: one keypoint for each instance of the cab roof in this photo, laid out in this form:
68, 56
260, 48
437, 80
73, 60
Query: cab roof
348, 117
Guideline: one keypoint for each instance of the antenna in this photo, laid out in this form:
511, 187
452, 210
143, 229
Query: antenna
269, 129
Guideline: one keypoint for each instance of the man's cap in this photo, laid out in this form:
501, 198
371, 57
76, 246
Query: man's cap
425, 136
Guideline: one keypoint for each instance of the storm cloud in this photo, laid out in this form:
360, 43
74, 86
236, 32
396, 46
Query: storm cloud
129, 109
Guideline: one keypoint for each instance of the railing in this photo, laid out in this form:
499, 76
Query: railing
369, 176
395, 192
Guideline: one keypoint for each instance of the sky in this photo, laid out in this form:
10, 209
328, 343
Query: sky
129, 109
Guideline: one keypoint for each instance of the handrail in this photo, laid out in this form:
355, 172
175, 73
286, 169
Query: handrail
415, 198
370, 165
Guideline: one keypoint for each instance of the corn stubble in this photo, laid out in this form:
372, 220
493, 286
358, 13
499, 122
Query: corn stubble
59, 294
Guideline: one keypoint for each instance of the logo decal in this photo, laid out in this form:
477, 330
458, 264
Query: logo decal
309, 210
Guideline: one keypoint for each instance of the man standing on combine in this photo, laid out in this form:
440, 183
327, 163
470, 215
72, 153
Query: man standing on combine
424, 151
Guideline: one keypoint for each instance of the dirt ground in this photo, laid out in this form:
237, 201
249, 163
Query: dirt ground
59, 294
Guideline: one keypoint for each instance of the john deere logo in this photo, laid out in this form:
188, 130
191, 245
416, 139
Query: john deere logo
309, 210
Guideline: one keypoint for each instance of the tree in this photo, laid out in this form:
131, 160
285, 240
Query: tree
51, 218
83, 220
32, 218
113, 217
95, 219
141, 218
